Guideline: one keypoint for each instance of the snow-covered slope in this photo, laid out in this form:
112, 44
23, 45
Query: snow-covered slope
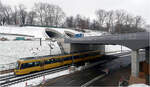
37, 32
138, 85
10, 51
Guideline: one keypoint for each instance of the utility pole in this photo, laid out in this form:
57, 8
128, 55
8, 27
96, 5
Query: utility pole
72, 60
121, 48
40, 41
50, 45
50, 48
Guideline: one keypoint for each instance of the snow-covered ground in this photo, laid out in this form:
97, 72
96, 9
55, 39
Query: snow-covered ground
37, 32
138, 85
115, 48
10, 51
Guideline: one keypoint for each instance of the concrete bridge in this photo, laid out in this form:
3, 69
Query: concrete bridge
134, 41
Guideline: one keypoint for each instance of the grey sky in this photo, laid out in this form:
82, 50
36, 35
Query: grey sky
88, 7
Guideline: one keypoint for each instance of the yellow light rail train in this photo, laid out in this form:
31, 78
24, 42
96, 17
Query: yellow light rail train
28, 65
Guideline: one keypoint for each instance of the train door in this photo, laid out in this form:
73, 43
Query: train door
42, 65
61, 62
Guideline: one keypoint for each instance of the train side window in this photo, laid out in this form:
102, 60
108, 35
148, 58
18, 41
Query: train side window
86, 55
23, 66
53, 60
57, 60
48, 61
92, 54
75, 57
97, 53
32, 64
27, 65
37, 63
82, 56
67, 58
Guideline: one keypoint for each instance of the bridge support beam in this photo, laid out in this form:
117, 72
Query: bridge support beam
135, 63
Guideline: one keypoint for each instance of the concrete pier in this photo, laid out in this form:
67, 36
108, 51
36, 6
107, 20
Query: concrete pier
147, 55
135, 63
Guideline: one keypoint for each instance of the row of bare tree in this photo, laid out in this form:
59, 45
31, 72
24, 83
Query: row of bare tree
112, 21
41, 14
115, 21
119, 21
77, 22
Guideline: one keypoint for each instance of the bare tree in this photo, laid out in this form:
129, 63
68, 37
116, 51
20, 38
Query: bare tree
22, 14
94, 25
39, 9
6, 12
31, 18
87, 23
58, 15
101, 16
110, 20
1, 13
129, 20
78, 21
70, 22
120, 16
50, 16
15, 14
138, 21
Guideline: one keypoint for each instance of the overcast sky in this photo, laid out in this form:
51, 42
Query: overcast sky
88, 7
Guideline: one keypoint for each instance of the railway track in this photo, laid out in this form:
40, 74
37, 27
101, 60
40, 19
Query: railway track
2, 78
8, 80
12, 79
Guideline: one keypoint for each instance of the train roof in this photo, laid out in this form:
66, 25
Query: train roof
48, 56
40, 57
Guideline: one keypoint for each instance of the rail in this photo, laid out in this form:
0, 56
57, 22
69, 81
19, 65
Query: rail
12, 79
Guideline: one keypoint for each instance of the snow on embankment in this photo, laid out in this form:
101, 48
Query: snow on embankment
138, 85
10, 51
37, 32
40, 32
115, 48
86, 33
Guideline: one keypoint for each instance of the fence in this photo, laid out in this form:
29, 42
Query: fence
9, 66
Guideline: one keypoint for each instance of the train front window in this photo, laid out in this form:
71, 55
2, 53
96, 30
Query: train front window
17, 65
